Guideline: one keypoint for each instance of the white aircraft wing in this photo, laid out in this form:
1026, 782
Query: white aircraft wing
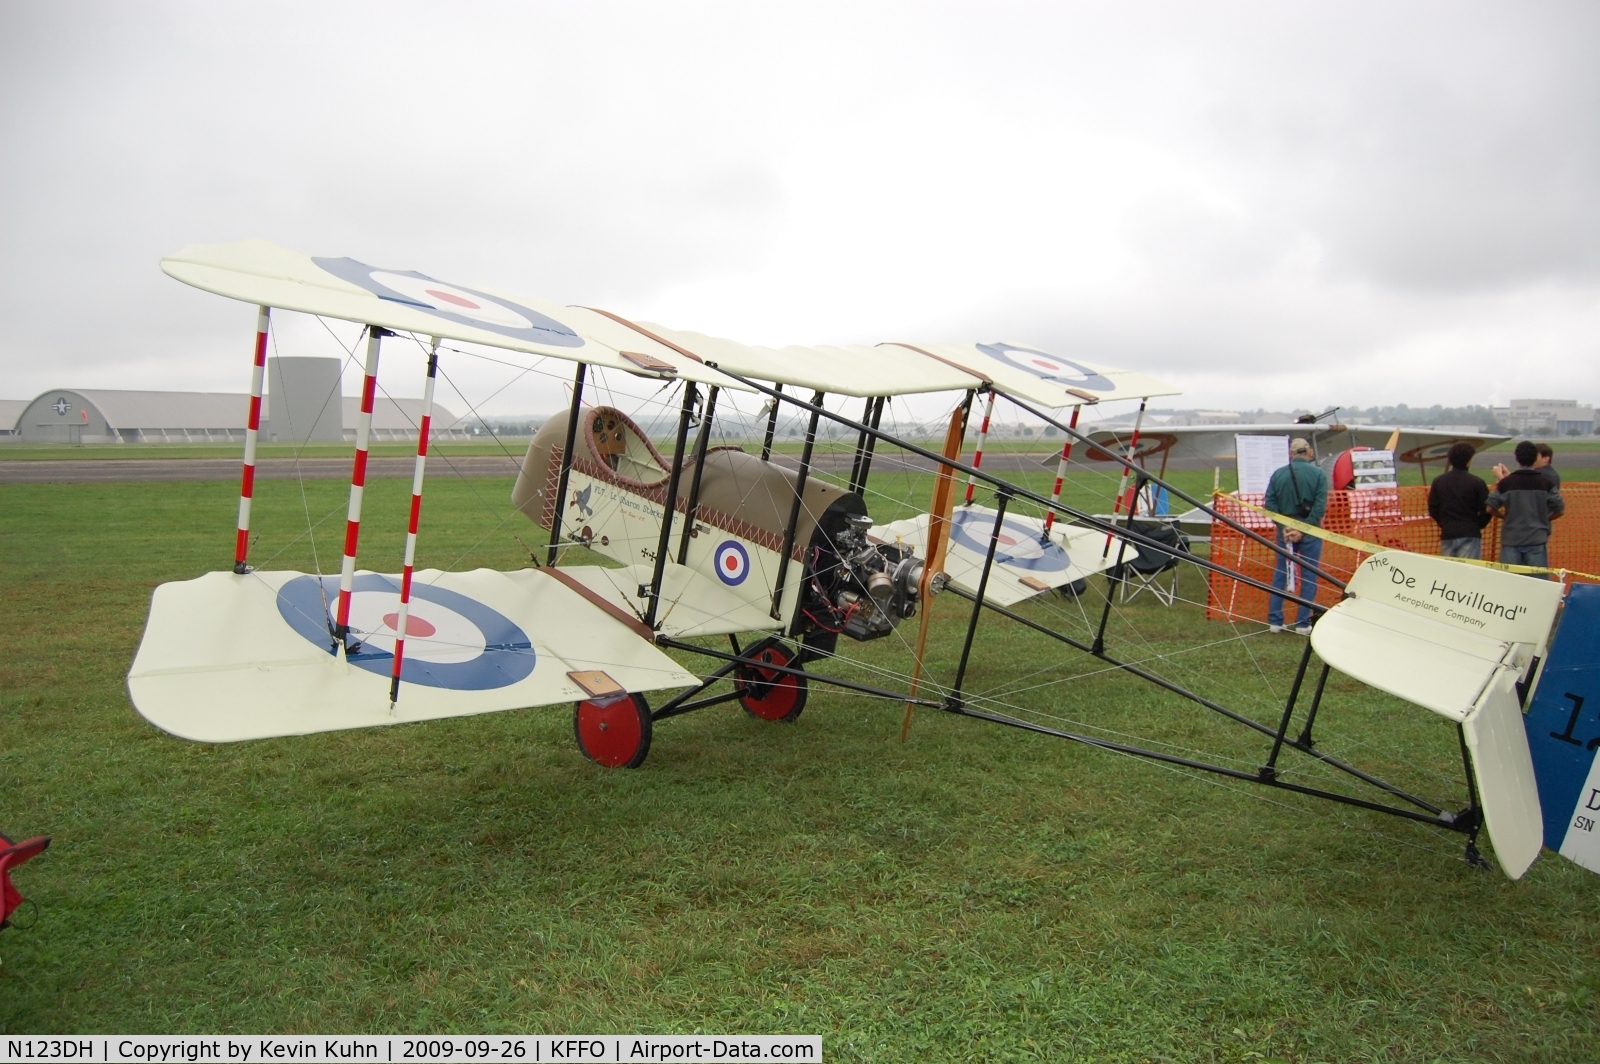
1455, 639
854, 369
227, 657
1026, 563
263, 273
1217, 442
1039, 377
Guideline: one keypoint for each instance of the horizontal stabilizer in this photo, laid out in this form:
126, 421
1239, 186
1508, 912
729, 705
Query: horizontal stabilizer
1458, 640
227, 657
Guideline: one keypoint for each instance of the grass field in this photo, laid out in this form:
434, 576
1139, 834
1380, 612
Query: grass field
977, 893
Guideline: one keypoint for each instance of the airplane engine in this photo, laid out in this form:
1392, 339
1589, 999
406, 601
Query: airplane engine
859, 587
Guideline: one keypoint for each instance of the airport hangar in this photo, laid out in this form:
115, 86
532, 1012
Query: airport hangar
300, 391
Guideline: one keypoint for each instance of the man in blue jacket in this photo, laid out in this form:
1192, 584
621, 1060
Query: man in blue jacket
1298, 490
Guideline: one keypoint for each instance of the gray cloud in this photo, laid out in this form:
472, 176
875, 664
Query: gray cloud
1261, 201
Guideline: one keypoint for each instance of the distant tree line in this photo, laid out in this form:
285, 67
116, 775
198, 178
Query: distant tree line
1401, 414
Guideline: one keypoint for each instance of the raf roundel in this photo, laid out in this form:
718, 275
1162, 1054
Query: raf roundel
733, 563
1063, 371
1017, 545
452, 641
466, 306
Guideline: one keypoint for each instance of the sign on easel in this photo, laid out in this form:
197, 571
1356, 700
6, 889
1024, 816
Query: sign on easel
1258, 457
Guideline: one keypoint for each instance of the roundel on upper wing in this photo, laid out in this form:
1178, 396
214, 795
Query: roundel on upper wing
452, 641
732, 562
465, 306
1062, 371
1018, 546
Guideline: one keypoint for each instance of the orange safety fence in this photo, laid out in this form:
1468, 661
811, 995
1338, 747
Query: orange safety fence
1394, 518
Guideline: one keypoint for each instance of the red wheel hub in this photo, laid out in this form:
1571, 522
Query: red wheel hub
768, 693
615, 734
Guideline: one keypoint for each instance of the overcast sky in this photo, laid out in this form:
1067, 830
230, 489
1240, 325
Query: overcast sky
1271, 205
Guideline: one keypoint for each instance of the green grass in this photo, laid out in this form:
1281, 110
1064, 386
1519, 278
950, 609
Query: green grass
978, 893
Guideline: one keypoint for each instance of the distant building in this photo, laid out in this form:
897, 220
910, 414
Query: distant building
10, 411
94, 415
305, 394
1558, 417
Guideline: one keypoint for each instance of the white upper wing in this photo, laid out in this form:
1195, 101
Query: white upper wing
263, 273
1040, 377
855, 369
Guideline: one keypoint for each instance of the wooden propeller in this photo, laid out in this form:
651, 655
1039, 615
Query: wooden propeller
944, 497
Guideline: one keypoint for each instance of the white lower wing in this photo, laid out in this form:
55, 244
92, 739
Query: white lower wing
1026, 561
228, 657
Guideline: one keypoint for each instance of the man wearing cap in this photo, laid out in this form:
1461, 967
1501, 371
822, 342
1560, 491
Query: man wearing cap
1298, 490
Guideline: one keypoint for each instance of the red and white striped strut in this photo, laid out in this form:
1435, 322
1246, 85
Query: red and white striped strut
252, 426
1125, 493
983, 434
1061, 473
411, 530
358, 482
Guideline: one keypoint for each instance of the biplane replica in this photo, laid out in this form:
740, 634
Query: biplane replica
1328, 439
758, 564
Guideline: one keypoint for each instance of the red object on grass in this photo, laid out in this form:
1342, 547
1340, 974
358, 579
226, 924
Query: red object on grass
12, 855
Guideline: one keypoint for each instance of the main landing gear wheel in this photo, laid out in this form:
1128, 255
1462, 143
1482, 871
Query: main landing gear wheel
615, 734
766, 692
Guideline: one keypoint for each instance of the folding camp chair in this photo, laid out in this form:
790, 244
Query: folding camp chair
1155, 571
12, 855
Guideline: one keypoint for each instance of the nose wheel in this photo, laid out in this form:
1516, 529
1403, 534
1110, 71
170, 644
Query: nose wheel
613, 733
767, 693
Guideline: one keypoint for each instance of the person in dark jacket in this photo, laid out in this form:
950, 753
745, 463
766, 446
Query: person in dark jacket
1298, 490
1527, 504
1456, 501
1545, 464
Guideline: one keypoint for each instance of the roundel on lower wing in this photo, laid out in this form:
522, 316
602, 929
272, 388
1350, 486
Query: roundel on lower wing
452, 641
733, 563
1019, 545
466, 306
1062, 371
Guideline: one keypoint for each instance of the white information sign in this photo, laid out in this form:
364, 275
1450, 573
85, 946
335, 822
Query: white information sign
1258, 456
1373, 469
